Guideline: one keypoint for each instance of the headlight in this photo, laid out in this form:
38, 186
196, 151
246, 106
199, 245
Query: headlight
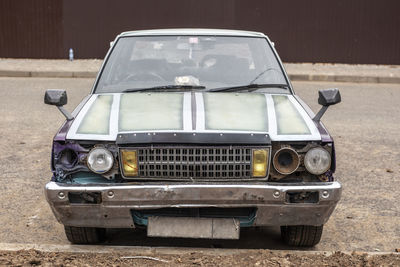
317, 160
100, 160
260, 162
129, 162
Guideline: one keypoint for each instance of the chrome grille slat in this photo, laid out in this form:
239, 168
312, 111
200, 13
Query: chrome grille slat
195, 162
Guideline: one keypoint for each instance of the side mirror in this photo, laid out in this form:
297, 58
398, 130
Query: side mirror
58, 98
329, 97
326, 98
55, 97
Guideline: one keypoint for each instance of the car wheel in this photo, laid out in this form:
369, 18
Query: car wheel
301, 235
85, 235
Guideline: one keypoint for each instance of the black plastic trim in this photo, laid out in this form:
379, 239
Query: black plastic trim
193, 138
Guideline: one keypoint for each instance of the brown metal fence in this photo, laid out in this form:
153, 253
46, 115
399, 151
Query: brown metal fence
346, 31
31, 29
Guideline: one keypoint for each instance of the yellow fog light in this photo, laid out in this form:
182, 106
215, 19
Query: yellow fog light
260, 162
129, 162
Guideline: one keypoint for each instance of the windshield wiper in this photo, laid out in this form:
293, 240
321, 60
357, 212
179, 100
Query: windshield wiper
172, 86
253, 86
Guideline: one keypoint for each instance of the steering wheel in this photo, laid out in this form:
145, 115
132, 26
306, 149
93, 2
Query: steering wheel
144, 76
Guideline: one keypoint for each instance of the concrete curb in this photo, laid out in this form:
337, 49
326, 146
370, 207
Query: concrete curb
162, 250
343, 78
48, 74
293, 77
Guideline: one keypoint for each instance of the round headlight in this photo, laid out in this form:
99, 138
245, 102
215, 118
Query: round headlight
317, 160
100, 160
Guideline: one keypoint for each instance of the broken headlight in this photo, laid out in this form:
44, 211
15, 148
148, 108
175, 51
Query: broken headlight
129, 162
286, 160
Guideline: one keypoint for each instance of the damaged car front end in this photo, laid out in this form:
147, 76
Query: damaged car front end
194, 134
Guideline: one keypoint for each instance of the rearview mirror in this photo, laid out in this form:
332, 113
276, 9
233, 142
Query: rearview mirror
55, 97
326, 98
58, 98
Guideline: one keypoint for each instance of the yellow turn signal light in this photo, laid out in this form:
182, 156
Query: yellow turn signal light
260, 162
129, 162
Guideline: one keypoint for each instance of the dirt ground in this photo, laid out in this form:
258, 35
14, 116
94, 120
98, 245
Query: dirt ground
366, 131
248, 258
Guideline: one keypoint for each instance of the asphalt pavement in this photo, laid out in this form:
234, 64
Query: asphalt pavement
366, 131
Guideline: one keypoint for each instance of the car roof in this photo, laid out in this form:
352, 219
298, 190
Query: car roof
190, 31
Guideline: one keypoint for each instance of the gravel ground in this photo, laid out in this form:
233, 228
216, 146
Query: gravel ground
248, 258
365, 127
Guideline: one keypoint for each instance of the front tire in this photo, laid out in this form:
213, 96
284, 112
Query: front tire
301, 235
85, 235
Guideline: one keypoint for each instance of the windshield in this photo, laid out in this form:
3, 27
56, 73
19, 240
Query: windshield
193, 62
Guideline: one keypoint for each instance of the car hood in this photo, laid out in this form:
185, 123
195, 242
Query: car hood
104, 116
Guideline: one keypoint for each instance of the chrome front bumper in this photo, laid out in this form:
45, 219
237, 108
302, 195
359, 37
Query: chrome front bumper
114, 211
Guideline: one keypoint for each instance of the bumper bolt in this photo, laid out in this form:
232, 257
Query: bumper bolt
110, 194
277, 194
325, 194
61, 195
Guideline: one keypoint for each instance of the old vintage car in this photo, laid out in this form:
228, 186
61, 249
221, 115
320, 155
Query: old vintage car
192, 133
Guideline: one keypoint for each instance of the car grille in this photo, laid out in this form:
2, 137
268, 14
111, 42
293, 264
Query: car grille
205, 163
